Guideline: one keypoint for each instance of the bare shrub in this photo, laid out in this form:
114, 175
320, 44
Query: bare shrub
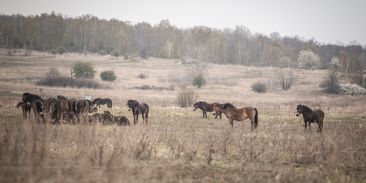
330, 83
287, 79
62, 81
53, 72
259, 87
186, 97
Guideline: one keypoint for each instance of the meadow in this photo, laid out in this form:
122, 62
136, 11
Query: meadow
178, 145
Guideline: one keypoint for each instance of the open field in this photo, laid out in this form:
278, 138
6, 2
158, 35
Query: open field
178, 145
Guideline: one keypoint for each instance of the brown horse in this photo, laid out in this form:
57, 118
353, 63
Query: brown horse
97, 102
217, 108
206, 107
240, 114
311, 116
121, 120
82, 107
138, 108
26, 108
53, 106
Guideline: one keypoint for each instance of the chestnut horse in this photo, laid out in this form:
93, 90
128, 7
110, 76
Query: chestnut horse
240, 114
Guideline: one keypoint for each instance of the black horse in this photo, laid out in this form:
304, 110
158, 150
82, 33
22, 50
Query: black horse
205, 107
37, 104
311, 116
138, 108
53, 106
102, 101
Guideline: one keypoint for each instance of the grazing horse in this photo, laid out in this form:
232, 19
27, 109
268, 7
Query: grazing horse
204, 106
37, 104
311, 116
81, 107
121, 120
53, 106
138, 108
26, 108
97, 102
64, 104
240, 114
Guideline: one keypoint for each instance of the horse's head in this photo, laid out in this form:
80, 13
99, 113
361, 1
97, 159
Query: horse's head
132, 104
228, 106
195, 106
299, 109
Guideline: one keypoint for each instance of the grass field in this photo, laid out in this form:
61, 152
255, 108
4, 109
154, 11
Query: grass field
178, 145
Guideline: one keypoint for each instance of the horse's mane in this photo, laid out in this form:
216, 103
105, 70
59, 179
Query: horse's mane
228, 105
306, 108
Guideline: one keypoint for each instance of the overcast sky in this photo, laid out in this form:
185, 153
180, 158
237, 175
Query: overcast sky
328, 21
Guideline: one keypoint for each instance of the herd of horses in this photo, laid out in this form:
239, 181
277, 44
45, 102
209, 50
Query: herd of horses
240, 114
70, 110
60, 108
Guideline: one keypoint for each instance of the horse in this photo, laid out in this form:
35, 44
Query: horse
97, 102
204, 106
37, 104
240, 114
217, 108
53, 106
138, 108
81, 107
121, 120
64, 104
311, 116
26, 108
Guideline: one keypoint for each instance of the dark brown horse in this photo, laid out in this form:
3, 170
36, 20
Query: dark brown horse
217, 108
26, 108
137, 109
37, 104
204, 106
121, 120
311, 116
82, 107
240, 114
97, 102
53, 106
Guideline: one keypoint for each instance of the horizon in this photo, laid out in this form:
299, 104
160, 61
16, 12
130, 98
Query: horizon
327, 23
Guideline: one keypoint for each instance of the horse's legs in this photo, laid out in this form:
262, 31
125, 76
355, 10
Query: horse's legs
231, 123
220, 115
137, 117
143, 117
305, 124
252, 124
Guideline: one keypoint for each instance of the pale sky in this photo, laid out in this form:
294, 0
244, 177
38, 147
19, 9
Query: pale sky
328, 21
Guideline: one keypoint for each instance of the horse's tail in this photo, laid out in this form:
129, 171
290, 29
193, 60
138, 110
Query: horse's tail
147, 113
255, 118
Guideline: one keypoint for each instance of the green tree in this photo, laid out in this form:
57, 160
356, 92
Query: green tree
83, 70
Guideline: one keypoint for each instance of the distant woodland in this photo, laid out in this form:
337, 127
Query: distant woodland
57, 33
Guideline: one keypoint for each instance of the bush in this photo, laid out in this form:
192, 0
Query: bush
142, 76
69, 82
259, 87
199, 81
53, 51
186, 97
287, 79
108, 75
331, 84
53, 72
61, 50
116, 53
83, 70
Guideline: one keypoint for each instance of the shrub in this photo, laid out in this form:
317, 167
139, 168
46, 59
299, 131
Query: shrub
287, 79
108, 75
53, 51
259, 87
83, 70
199, 81
142, 76
69, 82
53, 72
116, 53
331, 84
61, 50
186, 97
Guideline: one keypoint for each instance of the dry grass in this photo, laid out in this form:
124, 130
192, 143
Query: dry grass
178, 145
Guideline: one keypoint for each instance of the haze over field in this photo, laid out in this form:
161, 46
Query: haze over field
326, 21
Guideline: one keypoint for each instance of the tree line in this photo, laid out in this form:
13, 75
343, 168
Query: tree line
87, 33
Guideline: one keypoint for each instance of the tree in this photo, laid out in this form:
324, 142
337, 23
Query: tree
83, 70
308, 59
